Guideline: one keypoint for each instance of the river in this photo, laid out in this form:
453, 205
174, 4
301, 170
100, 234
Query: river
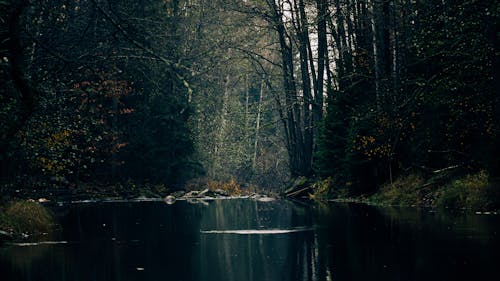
244, 239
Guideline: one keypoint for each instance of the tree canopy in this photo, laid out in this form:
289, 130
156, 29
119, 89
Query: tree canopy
259, 91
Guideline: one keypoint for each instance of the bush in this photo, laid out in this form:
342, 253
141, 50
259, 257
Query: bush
472, 192
231, 187
321, 189
26, 217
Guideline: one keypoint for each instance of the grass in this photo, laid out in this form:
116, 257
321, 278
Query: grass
405, 191
25, 217
473, 191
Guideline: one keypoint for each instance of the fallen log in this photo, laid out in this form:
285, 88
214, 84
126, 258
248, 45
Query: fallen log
299, 192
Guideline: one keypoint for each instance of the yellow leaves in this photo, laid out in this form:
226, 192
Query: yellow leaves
53, 166
59, 140
366, 140
369, 147
52, 148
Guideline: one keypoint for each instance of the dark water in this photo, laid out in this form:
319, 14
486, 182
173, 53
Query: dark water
287, 241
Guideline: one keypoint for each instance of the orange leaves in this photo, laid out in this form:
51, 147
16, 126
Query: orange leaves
116, 147
126, 111
231, 187
53, 146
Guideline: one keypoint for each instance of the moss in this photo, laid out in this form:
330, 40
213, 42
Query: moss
25, 217
405, 191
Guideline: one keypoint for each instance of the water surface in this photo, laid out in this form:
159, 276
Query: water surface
249, 240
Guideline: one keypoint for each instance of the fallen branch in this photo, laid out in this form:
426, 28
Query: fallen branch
446, 169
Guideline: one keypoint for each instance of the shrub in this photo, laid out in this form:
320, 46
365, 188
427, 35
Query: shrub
26, 216
472, 192
231, 187
322, 189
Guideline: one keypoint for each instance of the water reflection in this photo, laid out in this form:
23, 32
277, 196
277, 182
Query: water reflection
272, 255
251, 240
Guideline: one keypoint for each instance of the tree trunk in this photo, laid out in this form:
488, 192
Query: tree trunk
293, 118
322, 6
303, 36
257, 124
27, 93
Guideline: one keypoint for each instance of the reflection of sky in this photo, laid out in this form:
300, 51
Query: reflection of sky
268, 243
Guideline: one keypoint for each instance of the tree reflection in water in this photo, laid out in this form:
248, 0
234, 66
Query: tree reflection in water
250, 240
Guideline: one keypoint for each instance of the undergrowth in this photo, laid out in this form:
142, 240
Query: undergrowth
473, 191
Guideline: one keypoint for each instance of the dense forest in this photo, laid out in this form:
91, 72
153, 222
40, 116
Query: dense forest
357, 94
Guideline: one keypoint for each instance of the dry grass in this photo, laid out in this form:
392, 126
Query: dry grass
26, 217
231, 187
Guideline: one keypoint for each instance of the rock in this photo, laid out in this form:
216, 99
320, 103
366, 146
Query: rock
221, 192
4, 235
169, 199
265, 199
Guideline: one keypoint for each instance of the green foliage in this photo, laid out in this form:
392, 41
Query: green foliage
437, 111
333, 141
472, 192
99, 116
160, 143
322, 189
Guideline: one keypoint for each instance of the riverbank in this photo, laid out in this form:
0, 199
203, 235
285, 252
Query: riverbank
24, 212
475, 192
21, 219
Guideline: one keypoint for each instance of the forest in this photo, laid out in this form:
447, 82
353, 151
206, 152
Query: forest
393, 99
